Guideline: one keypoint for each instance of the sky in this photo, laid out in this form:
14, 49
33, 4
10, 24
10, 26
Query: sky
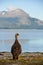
33, 7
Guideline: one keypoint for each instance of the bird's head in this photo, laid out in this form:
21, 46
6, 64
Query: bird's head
16, 35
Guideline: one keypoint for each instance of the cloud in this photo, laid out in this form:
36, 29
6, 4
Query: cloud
10, 8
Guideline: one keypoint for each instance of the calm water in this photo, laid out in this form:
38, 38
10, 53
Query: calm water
30, 40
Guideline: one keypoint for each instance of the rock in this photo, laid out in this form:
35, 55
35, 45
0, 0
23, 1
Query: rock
22, 56
30, 56
5, 55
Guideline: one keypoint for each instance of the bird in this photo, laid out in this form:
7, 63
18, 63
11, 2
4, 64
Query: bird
16, 48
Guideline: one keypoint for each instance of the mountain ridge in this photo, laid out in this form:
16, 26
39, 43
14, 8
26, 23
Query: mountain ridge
19, 19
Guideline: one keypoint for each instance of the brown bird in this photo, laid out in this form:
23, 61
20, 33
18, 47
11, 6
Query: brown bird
16, 48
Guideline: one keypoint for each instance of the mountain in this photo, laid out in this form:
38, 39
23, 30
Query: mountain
18, 19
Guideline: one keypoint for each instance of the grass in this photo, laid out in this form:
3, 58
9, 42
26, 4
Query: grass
21, 62
24, 60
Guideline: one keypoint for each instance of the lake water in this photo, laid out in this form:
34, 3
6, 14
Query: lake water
30, 40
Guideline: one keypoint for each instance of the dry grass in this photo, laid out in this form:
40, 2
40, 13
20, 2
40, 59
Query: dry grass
30, 60
22, 62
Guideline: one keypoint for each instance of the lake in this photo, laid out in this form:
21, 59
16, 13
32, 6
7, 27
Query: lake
31, 40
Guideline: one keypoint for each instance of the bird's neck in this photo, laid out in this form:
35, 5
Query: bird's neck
16, 38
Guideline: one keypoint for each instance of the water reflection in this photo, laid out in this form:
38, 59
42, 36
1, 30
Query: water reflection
27, 45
